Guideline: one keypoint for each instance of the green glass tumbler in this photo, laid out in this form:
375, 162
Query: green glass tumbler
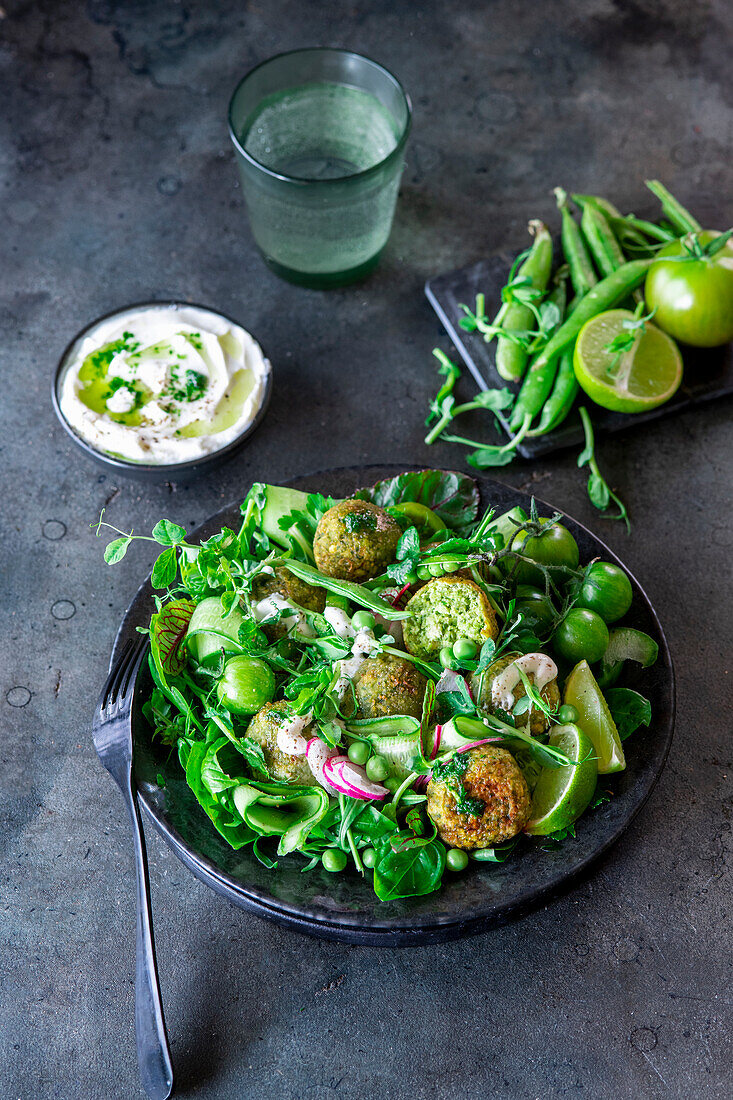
320, 136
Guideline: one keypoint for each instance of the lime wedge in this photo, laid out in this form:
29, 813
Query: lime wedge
640, 378
594, 718
562, 794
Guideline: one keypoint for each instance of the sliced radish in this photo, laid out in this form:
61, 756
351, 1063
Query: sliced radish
351, 779
438, 733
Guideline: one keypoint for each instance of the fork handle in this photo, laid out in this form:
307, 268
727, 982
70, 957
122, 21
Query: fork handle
153, 1053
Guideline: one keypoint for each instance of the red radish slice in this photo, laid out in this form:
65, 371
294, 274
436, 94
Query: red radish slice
436, 742
476, 744
351, 779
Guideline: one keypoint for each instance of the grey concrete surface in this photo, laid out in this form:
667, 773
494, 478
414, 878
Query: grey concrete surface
118, 185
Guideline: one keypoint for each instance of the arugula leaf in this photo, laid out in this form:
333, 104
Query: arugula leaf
629, 710
451, 495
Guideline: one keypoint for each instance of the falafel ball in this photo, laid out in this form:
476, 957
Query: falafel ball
281, 765
482, 688
444, 610
491, 778
390, 685
355, 540
292, 588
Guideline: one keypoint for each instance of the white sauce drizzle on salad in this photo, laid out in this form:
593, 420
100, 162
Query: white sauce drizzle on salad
537, 665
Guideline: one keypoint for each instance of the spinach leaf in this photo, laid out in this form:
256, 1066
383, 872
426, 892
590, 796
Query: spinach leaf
452, 496
629, 710
410, 872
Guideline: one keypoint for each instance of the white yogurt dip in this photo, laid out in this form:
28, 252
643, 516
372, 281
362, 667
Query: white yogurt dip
162, 384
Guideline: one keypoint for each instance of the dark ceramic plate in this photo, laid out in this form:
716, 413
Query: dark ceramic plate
141, 471
344, 906
708, 371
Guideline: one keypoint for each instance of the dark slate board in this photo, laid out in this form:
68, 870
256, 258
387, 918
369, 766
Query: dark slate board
708, 372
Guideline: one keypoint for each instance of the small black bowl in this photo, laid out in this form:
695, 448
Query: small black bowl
172, 471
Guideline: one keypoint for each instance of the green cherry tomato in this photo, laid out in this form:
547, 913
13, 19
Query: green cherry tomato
581, 636
464, 649
456, 859
536, 609
567, 715
377, 768
693, 298
446, 657
555, 546
607, 591
359, 752
369, 857
333, 860
363, 620
246, 684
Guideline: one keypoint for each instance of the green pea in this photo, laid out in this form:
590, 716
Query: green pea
456, 859
464, 649
359, 752
333, 860
392, 783
435, 569
446, 657
363, 620
423, 573
452, 565
377, 768
567, 714
412, 577
369, 857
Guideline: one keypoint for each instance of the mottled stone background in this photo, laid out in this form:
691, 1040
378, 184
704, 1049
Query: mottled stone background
118, 185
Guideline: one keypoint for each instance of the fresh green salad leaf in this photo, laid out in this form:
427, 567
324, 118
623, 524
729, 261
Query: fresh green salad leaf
451, 495
408, 872
629, 710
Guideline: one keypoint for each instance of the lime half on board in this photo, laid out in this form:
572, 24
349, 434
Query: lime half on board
630, 381
562, 794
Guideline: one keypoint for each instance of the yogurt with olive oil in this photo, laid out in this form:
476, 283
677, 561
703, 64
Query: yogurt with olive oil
162, 384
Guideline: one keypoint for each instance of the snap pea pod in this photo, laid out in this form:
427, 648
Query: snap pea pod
582, 274
511, 356
601, 240
630, 232
541, 374
681, 219
560, 402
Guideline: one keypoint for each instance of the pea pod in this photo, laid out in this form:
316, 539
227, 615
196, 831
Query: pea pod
541, 374
601, 241
511, 357
582, 274
681, 219
560, 402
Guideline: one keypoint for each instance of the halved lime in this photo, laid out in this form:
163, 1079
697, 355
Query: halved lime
594, 717
562, 794
640, 378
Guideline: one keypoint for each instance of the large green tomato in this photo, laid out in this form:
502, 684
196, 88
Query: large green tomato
536, 609
581, 636
607, 591
693, 298
555, 546
246, 684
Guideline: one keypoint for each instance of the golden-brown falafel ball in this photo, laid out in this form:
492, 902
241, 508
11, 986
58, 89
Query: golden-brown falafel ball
479, 799
355, 540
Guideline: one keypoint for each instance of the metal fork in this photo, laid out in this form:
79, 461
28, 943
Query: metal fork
112, 733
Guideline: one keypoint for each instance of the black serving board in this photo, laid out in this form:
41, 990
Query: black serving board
708, 371
344, 907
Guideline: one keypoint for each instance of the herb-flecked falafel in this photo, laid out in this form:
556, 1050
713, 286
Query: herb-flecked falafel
444, 610
281, 765
482, 688
292, 588
355, 540
390, 685
478, 798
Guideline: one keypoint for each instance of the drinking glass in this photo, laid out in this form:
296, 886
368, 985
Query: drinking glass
320, 136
